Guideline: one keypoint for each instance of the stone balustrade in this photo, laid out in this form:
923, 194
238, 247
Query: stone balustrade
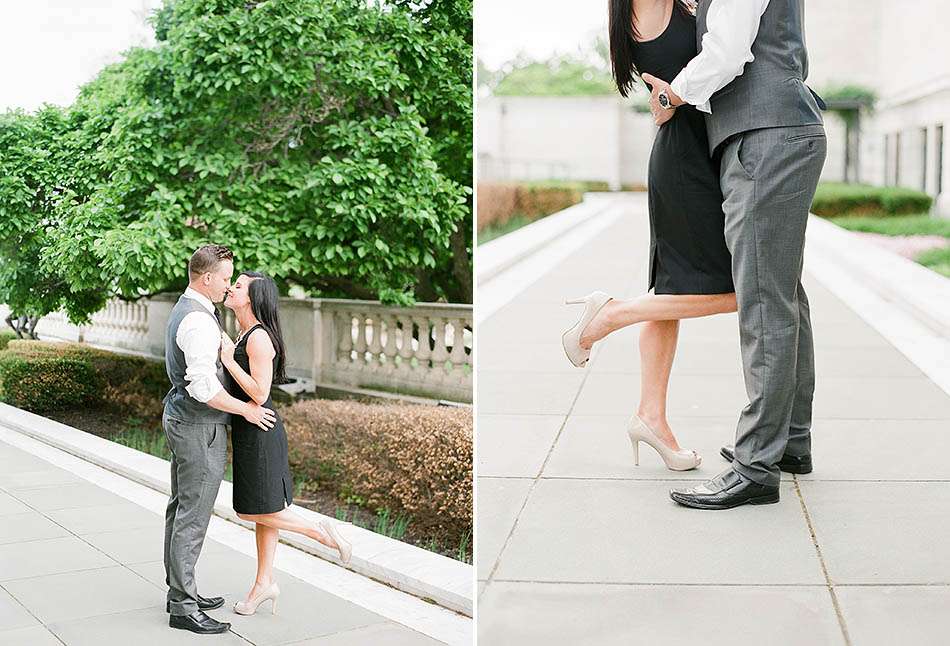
425, 350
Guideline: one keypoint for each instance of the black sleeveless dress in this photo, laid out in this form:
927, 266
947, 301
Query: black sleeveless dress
262, 483
688, 253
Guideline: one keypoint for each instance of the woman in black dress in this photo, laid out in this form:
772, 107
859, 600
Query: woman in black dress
262, 483
689, 266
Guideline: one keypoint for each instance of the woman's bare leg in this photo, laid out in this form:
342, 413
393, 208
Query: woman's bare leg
657, 348
266, 538
617, 314
288, 520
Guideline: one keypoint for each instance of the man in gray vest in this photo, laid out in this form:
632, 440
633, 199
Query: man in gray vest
766, 123
196, 419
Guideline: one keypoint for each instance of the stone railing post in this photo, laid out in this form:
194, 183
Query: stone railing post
324, 339
159, 309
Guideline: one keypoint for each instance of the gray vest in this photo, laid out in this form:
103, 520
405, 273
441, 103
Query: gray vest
771, 90
178, 403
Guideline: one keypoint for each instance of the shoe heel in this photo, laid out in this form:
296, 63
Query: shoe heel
636, 451
273, 606
575, 301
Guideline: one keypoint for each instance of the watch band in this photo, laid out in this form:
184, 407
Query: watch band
664, 100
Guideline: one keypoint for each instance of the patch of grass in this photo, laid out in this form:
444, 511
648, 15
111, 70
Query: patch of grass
384, 522
464, 546
137, 437
299, 486
937, 260
461, 552
153, 442
387, 525
497, 230
905, 225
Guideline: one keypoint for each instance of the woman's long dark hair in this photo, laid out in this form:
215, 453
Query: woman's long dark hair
623, 35
265, 300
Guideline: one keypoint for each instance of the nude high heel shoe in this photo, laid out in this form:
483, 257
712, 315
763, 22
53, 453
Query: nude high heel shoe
571, 339
344, 546
249, 608
639, 431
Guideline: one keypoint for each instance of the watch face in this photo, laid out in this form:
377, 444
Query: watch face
664, 100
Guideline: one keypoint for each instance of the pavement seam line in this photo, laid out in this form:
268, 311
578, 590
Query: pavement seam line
824, 567
588, 369
108, 556
534, 482
30, 612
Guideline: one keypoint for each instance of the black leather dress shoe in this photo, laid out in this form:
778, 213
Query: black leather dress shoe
725, 491
211, 603
789, 463
198, 622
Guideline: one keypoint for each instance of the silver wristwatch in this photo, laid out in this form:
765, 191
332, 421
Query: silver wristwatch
664, 100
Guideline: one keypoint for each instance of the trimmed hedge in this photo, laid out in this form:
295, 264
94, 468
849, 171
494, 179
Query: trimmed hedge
408, 458
42, 384
834, 199
5, 337
128, 382
499, 202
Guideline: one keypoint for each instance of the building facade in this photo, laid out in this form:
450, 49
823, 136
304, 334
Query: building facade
899, 50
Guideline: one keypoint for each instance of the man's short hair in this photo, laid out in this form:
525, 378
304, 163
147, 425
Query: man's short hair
207, 258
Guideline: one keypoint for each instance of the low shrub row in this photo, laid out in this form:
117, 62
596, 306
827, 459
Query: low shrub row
499, 202
44, 376
5, 337
47, 383
412, 459
836, 199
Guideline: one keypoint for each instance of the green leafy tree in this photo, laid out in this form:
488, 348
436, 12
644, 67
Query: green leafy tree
324, 142
34, 157
442, 77
559, 76
585, 72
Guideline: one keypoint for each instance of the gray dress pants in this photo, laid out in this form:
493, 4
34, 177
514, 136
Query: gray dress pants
199, 457
768, 179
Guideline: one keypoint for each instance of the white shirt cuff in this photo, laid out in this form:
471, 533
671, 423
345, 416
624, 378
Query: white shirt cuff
204, 389
680, 89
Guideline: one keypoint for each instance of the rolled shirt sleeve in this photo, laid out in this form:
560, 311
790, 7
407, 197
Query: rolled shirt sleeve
732, 26
199, 338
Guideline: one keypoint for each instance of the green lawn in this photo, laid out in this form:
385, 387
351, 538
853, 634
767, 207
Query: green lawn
906, 225
936, 259
900, 225
496, 231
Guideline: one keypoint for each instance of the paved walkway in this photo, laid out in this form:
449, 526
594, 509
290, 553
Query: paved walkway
576, 545
81, 565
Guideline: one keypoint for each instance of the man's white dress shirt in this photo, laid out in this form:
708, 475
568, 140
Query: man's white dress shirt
732, 26
199, 338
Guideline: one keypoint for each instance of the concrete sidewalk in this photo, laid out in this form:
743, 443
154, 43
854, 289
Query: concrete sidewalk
576, 545
81, 565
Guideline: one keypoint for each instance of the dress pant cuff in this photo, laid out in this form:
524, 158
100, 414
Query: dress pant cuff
767, 479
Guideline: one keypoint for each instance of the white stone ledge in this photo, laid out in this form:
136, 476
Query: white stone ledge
419, 572
908, 304
925, 293
501, 253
